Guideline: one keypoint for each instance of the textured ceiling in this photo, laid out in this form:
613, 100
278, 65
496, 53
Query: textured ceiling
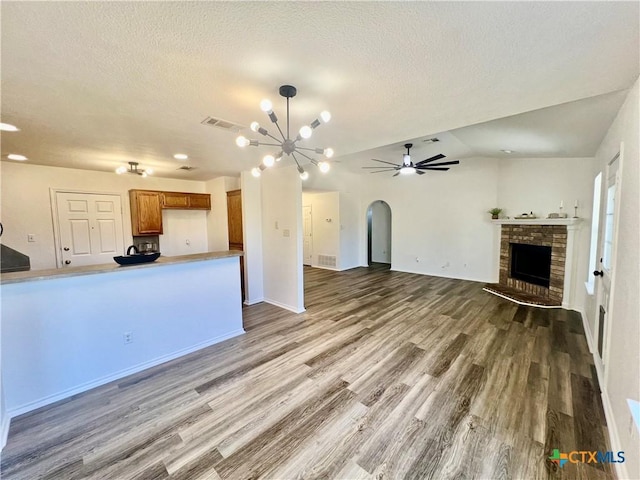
96, 84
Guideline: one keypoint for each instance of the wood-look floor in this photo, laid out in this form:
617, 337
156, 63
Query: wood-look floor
387, 375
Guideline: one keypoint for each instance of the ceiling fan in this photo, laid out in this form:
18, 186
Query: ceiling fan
407, 167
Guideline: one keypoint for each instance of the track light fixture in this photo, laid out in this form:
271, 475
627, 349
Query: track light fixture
133, 168
287, 146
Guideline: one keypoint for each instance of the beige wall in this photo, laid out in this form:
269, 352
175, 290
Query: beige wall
26, 207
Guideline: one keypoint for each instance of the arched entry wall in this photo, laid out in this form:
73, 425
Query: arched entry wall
379, 232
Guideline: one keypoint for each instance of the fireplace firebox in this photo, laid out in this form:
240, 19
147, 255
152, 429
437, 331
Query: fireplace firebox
531, 263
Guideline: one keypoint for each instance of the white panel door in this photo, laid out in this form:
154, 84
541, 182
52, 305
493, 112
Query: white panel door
307, 244
90, 228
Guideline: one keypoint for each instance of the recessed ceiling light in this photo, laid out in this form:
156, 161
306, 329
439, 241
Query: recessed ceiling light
7, 127
507, 151
181, 156
15, 156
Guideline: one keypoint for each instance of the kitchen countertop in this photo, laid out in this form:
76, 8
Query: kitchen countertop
35, 275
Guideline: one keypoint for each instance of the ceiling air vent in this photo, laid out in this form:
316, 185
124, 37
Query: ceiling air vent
186, 167
224, 124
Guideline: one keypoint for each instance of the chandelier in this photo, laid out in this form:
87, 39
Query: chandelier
133, 168
287, 145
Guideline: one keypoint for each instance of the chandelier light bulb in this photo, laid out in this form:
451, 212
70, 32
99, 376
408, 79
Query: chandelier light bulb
255, 171
324, 167
268, 160
242, 141
121, 170
305, 132
325, 116
328, 152
255, 126
304, 175
279, 156
266, 106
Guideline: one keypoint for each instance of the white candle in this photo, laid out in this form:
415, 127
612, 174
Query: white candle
561, 204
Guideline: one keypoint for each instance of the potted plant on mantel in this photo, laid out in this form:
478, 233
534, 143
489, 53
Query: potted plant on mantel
495, 212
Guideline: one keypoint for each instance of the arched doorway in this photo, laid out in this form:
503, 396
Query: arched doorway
379, 233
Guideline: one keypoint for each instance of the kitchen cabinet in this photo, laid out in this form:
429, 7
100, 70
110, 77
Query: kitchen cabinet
146, 212
186, 201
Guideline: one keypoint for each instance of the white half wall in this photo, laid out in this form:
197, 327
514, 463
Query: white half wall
64, 335
252, 231
26, 205
282, 238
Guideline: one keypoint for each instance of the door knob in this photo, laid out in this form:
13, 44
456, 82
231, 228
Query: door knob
66, 249
67, 262
598, 273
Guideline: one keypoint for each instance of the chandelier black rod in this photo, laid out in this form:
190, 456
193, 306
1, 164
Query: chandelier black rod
296, 160
288, 118
270, 144
313, 160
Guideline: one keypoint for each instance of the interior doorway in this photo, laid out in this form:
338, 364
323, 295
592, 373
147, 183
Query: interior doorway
307, 235
379, 233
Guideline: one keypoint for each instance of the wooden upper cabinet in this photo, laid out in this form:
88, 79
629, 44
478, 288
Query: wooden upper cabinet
146, 212
200, 201
190, 201
175, 200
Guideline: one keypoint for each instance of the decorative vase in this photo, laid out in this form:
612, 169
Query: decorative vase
494, 217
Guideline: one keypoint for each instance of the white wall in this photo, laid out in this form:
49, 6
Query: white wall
282, 238
380, 232
68, 336
539, 185
252, 231
439, 219
26, 205
217, 226
325, 214
622, 367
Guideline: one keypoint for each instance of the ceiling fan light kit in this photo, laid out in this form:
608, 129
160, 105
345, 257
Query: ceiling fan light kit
407, 167
287, 145
133, 168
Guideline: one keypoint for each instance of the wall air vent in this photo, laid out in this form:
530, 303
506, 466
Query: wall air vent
327, 261
224, 124
186, 167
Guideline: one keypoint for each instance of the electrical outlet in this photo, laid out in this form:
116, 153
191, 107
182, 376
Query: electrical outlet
187, 242
31, 237
127, 337
286, 233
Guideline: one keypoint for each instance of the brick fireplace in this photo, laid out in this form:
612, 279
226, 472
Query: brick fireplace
554, 236
546, 285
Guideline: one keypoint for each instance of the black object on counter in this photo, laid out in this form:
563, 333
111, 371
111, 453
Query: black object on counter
136, 258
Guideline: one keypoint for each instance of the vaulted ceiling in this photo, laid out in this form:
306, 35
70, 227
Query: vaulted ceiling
94, 85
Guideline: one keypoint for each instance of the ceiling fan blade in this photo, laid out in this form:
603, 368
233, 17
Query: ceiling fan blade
434, 168
419, 172
397, 173
382, 161
383, 171
452, 162
431, 159
390, 168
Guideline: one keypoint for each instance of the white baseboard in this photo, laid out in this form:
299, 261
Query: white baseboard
14, 412
4, 431
286, 307
614, 439
253, 301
